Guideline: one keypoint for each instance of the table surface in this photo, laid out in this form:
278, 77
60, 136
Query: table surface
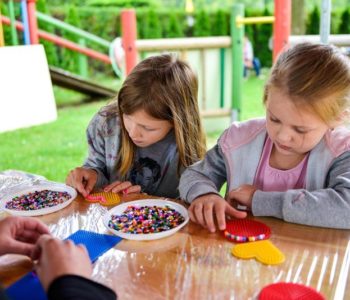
196, 264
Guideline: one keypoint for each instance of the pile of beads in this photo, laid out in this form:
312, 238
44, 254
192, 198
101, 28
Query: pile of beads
146, 219
37, 200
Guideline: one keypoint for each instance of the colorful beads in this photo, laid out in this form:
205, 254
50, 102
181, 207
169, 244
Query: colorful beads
37, 200
146, 219
238, 238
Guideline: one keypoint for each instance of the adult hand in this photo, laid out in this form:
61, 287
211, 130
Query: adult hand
125, 187
82, 179
203, 208
242, 195
19, 234
57, 258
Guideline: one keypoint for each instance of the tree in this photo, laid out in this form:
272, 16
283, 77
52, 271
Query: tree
173, 28
50, 48
6, 28
261, 48
344, 26
220, 24
313, 26
70, 59
152, 28
202, 24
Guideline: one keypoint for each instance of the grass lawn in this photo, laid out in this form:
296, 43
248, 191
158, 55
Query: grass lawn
53, 149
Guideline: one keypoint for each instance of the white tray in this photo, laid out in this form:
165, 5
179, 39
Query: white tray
43, 211
119, 209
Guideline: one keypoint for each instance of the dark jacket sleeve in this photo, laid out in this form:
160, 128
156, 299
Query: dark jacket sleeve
72, 287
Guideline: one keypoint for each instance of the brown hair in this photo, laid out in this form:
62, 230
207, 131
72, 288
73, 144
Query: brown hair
316, 75
166, 88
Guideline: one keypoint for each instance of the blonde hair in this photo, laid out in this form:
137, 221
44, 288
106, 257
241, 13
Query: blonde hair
315, 75
166, 88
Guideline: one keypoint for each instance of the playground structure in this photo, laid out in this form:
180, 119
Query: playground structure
230, 50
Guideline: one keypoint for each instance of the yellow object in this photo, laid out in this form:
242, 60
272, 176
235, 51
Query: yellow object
111, 198
254, 20
263, 251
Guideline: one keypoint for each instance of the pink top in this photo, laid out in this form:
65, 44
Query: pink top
269, 179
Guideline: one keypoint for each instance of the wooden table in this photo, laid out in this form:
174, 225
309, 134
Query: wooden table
196, 264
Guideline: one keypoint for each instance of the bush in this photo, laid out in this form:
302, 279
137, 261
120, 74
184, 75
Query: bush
344, 26
124, 3
173, 28
261, 42
202, 24
70, 59
313, 24
220, 24
50, 48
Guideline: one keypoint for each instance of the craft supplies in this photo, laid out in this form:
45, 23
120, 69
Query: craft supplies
146, 219
37, 200
104, 198
245, 230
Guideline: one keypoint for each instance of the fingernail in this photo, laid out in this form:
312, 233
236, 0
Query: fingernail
125, 191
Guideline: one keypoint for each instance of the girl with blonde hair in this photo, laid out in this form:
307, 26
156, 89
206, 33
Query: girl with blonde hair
295, 163
155, 119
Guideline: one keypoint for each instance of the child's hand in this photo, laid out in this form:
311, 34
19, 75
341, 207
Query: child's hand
82, 179
242, 195
125, 187
203, 208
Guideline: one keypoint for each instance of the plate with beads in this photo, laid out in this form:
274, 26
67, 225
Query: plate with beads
148, 219
38, 200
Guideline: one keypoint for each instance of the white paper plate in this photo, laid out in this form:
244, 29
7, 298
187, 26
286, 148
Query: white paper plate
43, 211
119, 209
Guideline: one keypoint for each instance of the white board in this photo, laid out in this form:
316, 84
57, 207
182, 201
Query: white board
26, 94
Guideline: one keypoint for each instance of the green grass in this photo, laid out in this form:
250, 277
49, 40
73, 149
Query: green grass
53, 149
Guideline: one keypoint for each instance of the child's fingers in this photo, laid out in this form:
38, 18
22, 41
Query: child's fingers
191, 215
235, 213
208, 216
109, 187
124, 185
220, 216
134, 189
198, 212
89, 185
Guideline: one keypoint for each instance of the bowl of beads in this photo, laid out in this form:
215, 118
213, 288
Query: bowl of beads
149, 219
38, 200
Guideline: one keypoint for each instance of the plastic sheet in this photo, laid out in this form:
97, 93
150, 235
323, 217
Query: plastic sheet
196, 264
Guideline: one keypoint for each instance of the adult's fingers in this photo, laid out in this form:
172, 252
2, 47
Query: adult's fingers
34, 225
19, 247
36, 251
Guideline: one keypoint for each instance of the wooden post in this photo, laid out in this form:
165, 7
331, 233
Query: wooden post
282, 25
33, 24
129, 34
